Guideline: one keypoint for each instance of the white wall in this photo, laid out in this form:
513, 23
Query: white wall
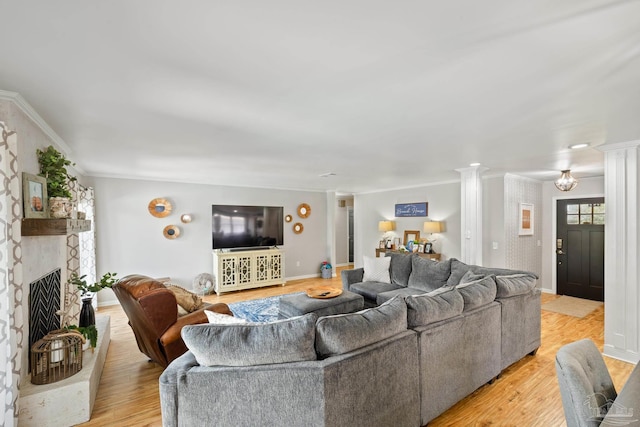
444, 205
129, 239
587, 187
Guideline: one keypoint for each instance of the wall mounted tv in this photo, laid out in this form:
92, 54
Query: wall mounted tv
237, 227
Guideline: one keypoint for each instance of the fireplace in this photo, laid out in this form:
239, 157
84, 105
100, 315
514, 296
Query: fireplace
44, 304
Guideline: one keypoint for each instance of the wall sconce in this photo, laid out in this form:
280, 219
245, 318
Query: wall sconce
566, 182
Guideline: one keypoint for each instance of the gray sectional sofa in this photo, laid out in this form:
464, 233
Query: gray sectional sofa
405, 360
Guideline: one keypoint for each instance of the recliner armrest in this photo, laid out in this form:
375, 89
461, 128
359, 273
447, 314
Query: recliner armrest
172, 334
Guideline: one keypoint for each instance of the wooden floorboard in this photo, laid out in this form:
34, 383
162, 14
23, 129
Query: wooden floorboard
526, 394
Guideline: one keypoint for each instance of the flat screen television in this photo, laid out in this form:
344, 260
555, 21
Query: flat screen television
237, 227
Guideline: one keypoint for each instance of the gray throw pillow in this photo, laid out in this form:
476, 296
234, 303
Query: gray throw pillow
470, 276
290, 340
428, 275
515, 284
433, 307
400, 268
478, 293
342, 333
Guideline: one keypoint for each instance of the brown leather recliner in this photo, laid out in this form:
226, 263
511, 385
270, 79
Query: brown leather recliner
153, 315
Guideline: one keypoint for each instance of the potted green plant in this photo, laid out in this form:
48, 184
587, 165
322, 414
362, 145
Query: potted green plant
87, 314
53, 167
90, 333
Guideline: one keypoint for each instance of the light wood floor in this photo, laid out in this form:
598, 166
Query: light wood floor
526, 394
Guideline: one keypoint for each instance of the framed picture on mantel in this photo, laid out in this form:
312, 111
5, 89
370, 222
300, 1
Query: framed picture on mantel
34, 196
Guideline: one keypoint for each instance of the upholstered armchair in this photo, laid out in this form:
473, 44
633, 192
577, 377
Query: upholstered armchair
152, 310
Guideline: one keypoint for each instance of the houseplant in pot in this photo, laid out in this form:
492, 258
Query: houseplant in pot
53, 166
87, 314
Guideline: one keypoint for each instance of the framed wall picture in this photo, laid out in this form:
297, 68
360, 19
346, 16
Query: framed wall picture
525, 219
410, 236
34, 196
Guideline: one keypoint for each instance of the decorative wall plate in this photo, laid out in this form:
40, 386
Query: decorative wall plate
185, 218
171, 231
298, 228
160, 207
288, 218
304, 210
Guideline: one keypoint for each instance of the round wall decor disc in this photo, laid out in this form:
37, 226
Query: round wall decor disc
160, 207
297, 228
288, 218
171, 231
304, 210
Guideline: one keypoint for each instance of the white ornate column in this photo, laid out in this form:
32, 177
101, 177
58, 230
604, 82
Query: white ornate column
471, 214
621, 266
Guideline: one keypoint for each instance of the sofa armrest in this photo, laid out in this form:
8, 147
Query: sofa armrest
169, 387
350, 277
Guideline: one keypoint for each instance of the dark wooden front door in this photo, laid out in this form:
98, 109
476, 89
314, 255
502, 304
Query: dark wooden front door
580, 248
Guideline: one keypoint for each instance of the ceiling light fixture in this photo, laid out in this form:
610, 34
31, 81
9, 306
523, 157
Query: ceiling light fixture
566, 182
474, 164
576, 146
326, 174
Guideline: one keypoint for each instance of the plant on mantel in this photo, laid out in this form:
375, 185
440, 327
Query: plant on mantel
53, 167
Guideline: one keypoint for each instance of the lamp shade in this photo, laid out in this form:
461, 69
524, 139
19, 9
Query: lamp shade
385, 226
566, 182
432, 227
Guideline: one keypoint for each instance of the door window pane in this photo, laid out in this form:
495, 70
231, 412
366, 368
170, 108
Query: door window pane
572, 209
598, 208
586, 213
585, 219
598, 219
572, 219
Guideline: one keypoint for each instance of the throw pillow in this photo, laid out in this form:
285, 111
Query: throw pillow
185, 299
290, 340
435, 306
515, 284
342, 333
400, 269
478, 293
428, 275
376, 269
223, 319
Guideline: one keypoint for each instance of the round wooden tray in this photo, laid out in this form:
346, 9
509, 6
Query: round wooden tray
323, 292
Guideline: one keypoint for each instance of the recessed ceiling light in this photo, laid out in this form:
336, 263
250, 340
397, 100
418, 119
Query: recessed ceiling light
576, 146
474, 164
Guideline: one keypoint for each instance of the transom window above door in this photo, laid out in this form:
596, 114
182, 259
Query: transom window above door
585, 213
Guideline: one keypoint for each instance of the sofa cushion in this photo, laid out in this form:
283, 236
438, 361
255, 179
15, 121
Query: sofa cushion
459, 268
400, 268
376, 269
370, 290
514, 284
470, 276
478, 293
342, 333
434, 306
402, 293
290, 340
428, 275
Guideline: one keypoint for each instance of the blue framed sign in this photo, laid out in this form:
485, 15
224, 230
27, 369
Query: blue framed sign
411, 209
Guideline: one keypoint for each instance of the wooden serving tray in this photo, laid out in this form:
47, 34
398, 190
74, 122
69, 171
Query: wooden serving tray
323, 292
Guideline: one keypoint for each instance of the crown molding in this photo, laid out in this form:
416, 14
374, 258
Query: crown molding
30, 112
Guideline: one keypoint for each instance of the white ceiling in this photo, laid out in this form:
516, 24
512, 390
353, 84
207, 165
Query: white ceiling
384, 94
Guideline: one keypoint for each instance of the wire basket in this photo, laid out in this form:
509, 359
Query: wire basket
58, 355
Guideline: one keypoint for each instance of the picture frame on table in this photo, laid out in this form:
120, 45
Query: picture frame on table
421, 248
34, 196
381, 244
411, 236
428, 248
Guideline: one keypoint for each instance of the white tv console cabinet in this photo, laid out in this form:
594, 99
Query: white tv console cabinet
235, 270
